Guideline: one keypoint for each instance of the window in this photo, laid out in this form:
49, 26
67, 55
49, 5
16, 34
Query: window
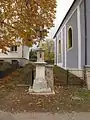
15, 62
14, 48
59, 46
69, 37
40, 55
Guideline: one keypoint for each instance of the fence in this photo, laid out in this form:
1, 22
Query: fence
69, 77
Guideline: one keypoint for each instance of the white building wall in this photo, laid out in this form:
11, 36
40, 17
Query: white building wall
26, 51
22, 55
13, 54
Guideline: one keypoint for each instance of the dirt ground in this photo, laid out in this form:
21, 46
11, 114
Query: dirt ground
66, 99
16, 99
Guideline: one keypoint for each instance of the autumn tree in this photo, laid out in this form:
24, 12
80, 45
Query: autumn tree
23, 19
48, 45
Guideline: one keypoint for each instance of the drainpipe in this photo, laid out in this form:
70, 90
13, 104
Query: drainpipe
85, 19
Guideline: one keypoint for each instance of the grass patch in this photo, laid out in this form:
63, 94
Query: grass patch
83, 93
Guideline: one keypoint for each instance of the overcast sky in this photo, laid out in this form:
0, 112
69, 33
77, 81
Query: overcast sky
62, 8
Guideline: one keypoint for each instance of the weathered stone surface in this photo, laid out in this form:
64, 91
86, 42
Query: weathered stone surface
88, 77
49, 77
42, 84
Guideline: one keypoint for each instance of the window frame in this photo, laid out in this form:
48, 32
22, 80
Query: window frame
59, 46
68, 41
13, 48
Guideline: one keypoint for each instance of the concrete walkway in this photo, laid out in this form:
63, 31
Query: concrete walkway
45, 116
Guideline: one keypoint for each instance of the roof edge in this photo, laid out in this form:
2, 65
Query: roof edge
64, 18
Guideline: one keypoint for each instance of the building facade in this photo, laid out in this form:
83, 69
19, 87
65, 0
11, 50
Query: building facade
72, 39
16, 53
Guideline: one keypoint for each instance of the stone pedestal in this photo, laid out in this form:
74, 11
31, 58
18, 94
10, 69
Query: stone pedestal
40, 83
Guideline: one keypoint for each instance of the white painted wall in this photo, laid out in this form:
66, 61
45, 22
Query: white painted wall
17, 54
13, 54
22, 52
26, 52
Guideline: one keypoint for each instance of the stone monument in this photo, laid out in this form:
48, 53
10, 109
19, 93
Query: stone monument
40, 83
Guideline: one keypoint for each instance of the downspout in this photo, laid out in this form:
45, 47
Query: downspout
85, 19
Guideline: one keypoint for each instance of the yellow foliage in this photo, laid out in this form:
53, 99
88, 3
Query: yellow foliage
21, 18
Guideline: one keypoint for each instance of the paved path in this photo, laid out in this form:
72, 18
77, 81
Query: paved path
45, 116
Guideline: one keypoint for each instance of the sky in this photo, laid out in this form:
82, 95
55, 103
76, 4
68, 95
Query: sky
62, 8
